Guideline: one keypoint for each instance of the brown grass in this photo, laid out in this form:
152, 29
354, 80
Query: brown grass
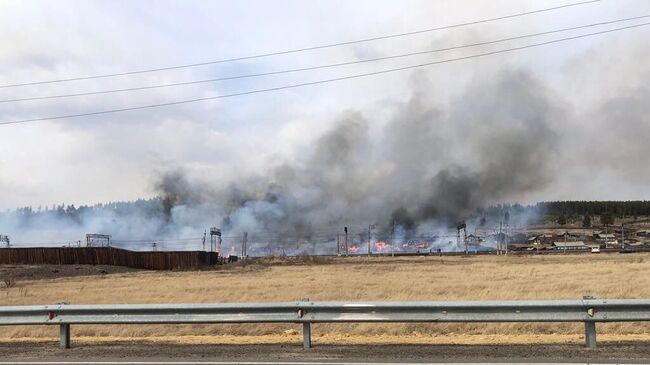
425, 278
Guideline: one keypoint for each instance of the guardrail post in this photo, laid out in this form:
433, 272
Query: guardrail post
64, 332
306, 335
590, 334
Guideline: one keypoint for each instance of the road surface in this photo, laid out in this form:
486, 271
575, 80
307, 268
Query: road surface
125, 351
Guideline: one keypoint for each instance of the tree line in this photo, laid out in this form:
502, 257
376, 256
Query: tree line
560, 212
619, 209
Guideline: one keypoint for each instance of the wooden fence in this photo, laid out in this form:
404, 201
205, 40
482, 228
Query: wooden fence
160, 260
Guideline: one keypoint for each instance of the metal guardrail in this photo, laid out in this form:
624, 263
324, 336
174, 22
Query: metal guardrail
589, 311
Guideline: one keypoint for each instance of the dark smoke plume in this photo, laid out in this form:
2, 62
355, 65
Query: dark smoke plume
426, 166
432, 164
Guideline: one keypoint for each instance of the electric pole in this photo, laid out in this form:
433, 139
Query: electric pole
244, 243
369, 232
392, 240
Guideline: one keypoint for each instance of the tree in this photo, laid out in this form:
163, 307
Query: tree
607, 219
483, 221
586, 221
506, 217
561, 220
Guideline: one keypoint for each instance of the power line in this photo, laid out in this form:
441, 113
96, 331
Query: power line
327, 65
258, 91
277, 53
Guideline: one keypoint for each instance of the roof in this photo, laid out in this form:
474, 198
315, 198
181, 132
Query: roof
608, 235
569, 244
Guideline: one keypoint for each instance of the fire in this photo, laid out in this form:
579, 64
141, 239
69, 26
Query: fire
381, 246
354, 249
422, 245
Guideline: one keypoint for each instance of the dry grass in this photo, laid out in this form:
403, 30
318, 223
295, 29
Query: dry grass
426, 278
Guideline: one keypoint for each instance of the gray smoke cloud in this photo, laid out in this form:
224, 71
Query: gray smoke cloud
428, 166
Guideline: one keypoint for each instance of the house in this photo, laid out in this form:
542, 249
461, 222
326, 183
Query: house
570, 246
574, 234
523, 247
474, 240
605, 237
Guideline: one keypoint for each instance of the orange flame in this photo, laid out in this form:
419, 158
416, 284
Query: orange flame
381, 246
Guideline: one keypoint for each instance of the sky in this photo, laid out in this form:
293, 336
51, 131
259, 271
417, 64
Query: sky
595, 94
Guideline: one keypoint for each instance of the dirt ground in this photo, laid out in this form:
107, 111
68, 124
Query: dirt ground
40, 272
144, 351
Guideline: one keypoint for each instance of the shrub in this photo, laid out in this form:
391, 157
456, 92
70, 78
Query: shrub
9, 282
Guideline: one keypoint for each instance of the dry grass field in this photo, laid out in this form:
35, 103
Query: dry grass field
415, 278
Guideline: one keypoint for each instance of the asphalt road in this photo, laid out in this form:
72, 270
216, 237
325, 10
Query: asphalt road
163, 352
274, 363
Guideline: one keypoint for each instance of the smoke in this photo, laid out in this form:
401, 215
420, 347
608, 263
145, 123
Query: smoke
504, 148
428, 165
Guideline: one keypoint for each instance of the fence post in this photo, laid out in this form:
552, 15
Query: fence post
590, 334
306, 335
64, 332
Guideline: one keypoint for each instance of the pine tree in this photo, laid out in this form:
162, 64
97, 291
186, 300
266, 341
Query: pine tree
607, 219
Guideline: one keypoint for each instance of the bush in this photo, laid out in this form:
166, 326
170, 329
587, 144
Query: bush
9, 282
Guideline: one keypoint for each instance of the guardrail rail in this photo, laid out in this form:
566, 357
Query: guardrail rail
589, 311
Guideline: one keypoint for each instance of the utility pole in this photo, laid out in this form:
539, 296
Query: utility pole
204, 233
244, 243
392, 240
622, 236
499, 244
370, 227
346, 240
506, 239
338, 245
606, 239
465, 239
369, 231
